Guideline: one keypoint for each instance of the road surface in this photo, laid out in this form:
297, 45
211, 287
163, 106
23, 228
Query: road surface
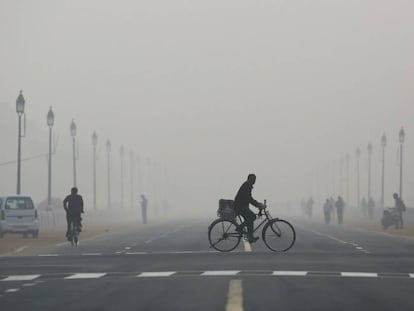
171, 267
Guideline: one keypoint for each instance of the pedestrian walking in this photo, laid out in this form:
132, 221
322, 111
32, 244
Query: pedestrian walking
371, 207
340, 205
327, 210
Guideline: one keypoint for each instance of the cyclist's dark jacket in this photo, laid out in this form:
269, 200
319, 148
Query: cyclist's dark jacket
73, 204
244, 197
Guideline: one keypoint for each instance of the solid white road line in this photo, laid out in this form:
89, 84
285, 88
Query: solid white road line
411, 275
359, 274
290, 273
85, 276
91, 254
28, 277
235, 296
220, 273
155, 274
48, 255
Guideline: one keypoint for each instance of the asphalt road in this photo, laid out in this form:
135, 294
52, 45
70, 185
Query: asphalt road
171, 267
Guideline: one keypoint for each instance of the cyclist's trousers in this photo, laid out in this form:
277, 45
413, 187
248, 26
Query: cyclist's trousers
74, 216
249, 218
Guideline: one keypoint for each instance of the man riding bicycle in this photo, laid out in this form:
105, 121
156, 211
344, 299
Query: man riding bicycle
241, 205
73, 205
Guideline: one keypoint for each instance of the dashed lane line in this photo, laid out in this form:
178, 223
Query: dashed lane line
355, 245
85, 276
156, 274
12, 290
210, 273
28, 277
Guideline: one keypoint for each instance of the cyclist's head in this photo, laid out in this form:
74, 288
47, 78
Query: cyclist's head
74, 190
395, 195
251, 178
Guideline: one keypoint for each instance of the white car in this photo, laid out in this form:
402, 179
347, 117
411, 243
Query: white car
18, 214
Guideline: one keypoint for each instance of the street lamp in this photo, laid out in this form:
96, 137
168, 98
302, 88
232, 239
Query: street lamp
108, 151
50, 118
20, 102
383, 144
131, 169
122, 152
347, 157
369, 149
402, 137
358, 155
73, 134
94, 143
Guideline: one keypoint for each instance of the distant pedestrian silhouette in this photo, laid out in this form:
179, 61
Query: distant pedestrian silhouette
340, 205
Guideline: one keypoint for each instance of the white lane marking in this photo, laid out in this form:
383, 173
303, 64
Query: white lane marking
359, 274
61, 244
12, 290
166, 234
20, 249
290, 273
331, 237
220, 273
136, 253
85, 276
48, 255
235, 296
91, 254
28, 277
127, 247
247, 246
155, 274
29, 284
411, 275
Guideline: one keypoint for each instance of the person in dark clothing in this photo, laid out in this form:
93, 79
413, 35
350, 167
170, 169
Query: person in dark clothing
241, 205
399, 208
73, 205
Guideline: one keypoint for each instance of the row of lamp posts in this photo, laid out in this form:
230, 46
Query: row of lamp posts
401, 137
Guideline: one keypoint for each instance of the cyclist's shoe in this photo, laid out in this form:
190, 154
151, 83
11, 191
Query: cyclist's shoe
252, 239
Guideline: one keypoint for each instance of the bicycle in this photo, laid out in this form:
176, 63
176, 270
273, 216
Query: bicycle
277, 234
74, 230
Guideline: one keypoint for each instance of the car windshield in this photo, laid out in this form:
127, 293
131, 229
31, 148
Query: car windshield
16, 203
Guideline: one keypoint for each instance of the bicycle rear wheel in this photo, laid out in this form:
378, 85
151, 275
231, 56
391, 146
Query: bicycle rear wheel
223, 236
279, 235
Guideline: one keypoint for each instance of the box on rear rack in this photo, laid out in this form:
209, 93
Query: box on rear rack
226, 209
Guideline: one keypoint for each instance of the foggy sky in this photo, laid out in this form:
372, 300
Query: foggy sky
211, 90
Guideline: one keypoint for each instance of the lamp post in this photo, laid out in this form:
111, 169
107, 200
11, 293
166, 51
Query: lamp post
347, 157
108, 152
383, 144
122, 152
94, 143
20, 102
73, 134
50, 121
131, 169
369, 149
358, 155
402, 137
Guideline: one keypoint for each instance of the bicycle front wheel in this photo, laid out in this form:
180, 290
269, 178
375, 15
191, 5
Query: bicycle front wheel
279, 235
223, 236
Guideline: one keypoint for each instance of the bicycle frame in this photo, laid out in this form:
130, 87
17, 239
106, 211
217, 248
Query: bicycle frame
267, 215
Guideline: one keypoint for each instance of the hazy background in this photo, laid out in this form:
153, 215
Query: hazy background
205, 92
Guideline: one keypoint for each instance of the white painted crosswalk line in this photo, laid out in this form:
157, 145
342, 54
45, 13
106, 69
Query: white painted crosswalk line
155, 274
27, 277
290, 273
359, 274
85, 276
220, 273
